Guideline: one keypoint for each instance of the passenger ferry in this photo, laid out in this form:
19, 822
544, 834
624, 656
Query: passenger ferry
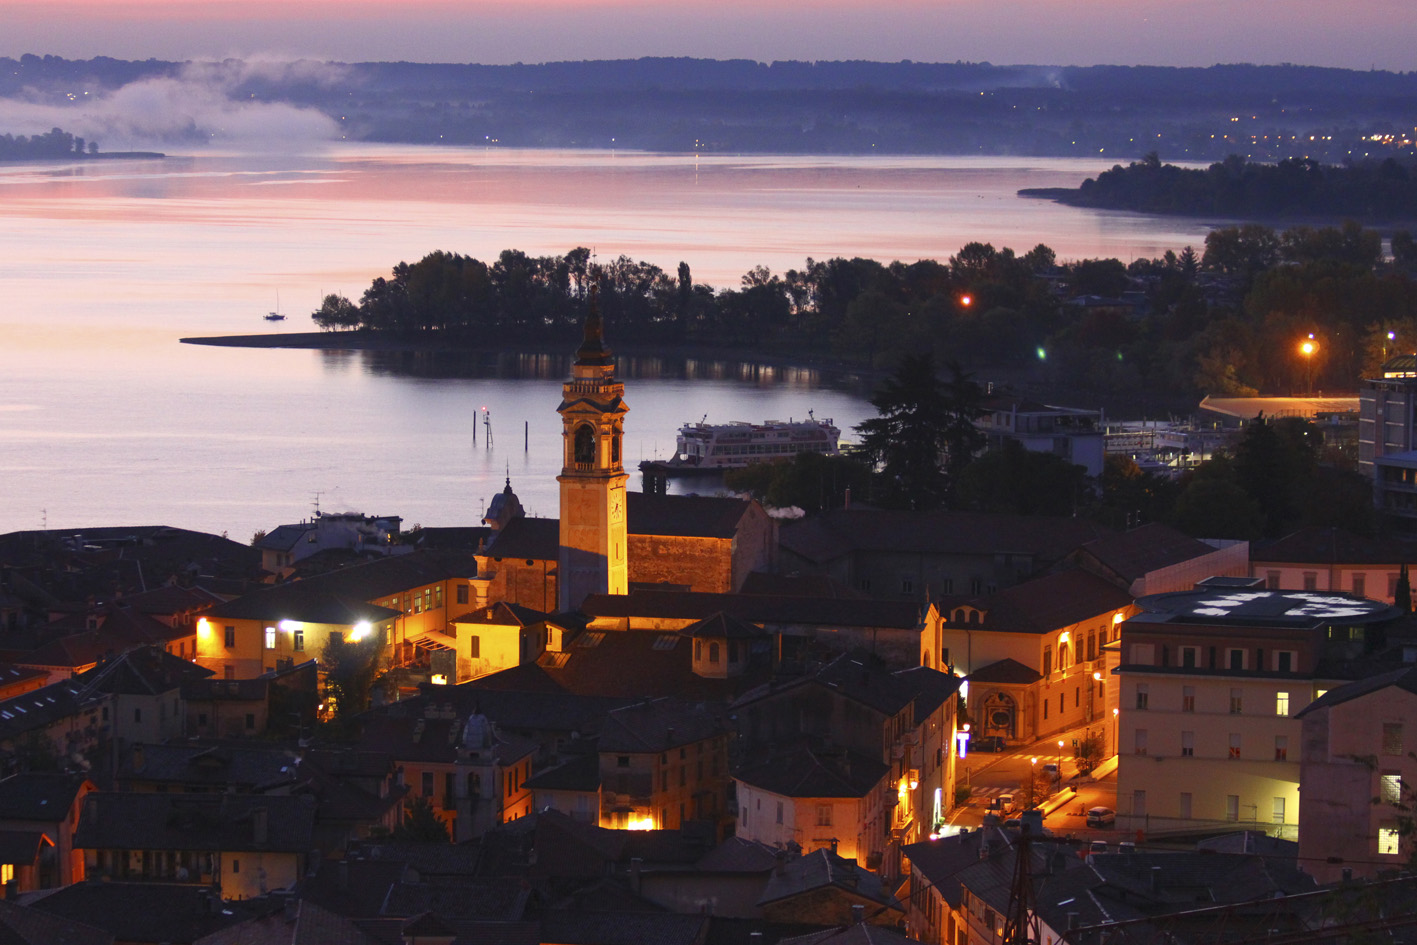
709, 446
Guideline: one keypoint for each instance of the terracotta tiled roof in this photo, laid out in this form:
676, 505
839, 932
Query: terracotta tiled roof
1055, 600
1319, 545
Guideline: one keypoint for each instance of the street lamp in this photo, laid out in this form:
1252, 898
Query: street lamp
1115, 733
1060, 760
1391, 339
1307, 348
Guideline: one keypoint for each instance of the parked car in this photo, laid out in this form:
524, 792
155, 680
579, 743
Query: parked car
1101, 817
1097, 846
1052, 769
1006, 802
987, 743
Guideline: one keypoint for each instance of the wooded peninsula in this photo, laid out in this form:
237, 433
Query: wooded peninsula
1227, 320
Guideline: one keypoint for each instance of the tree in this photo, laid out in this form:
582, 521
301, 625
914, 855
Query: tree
420, 823
924, 434
336, 311
1019, 481
1036, 787
1088, 752
350, 668
808, 481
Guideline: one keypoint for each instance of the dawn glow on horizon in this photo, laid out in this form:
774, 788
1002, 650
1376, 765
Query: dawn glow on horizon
1360, 35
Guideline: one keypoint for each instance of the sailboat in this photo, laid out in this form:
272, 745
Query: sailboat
275, 316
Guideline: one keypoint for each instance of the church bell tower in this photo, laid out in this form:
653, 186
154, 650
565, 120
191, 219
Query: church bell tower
592, 557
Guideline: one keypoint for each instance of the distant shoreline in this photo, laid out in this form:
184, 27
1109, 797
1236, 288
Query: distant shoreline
101, 156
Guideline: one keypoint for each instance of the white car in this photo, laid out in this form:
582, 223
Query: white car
1101, 817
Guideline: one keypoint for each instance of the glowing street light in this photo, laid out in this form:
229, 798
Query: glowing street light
1307, 349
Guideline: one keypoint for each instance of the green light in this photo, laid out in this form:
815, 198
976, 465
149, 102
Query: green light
1042, 355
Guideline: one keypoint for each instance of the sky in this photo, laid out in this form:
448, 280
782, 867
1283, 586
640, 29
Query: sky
1359, 34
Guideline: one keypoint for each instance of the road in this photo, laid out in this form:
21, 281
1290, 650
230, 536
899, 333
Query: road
988, 775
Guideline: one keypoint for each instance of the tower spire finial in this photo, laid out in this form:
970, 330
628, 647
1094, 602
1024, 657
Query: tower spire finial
593, 350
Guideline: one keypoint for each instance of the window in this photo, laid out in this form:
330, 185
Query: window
713, 652
1060, 703
427, 783
1389, 840
1271, 580
1392, 738
298, 641
622, 761
230, 637
1236, 701
1140, 741
438, 597
1188, 744
906, 585
1143, 695
270, 638
1281, 748
7, 873
1045, 710
1311, 581
1232, 807
428, 598
1360, 585
824, 815
1188, 698
236, 866
1234, 744
1047, 661
1277, 811
1234, 658
1190, 656
462, 593
1285, 660
1390, 787
474, 646
1077, 697
250, 721
1281, 704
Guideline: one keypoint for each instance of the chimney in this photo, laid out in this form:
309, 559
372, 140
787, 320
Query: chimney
858, 914
260, 826
781, 867
833, 845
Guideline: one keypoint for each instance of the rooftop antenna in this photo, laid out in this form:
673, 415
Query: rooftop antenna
487, 427
317, 503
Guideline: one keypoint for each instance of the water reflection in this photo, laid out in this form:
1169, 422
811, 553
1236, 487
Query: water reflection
473, 364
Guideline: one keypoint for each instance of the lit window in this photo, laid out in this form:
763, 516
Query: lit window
1188, 744
298, 643
1281, 703
1236, 701
1389, 840
270, 638
1390, 789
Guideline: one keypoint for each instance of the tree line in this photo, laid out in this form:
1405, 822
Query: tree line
1227, 320
55, 143
1376, 191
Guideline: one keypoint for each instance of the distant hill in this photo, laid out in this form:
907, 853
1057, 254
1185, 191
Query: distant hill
665, 104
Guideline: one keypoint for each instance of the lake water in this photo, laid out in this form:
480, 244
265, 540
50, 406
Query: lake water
105, 419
